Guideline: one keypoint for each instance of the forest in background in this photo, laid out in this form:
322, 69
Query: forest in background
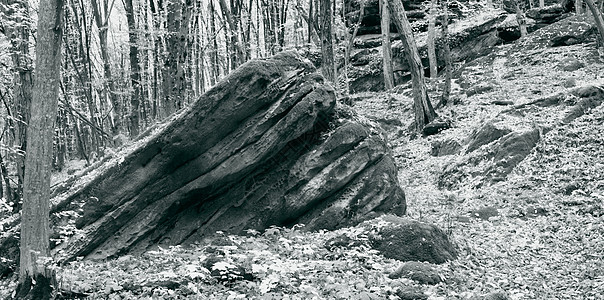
127, 64
103, 103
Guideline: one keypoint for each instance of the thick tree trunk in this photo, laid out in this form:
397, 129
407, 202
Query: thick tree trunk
328, 67
174, 81
598, 18
424, 112
36, 204
18, 30
431, 36
447, 55
386, 47
521, 19
135, 73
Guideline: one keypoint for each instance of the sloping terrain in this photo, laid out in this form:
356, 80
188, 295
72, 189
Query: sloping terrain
535, 232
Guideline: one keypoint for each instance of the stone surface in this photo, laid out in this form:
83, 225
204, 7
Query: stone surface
485, 213
9, 255
570, 64
342, 241
436, 126
569, 31
589, 97
479, 89
445, 147
422, 273
264, 147
410, 293
494, 151
408, 240
546, 15
487, 134
467, 43
510, 151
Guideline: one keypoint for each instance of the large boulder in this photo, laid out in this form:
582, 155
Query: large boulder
263, 147
371, 14
474, 39
572, 30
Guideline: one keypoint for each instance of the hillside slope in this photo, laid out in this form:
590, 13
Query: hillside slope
527, 219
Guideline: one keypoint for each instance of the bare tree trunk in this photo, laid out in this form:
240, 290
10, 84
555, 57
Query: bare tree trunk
214, 69
424, 112
431, 35
598, 18
101, 12
328, 65
541, 3
34, 277
356, 30
235, 43
386, 48
174, 83
135, 72
520, 18
579, 6
18, 13
447, 56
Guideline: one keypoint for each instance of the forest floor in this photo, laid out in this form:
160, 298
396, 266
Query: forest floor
543, 240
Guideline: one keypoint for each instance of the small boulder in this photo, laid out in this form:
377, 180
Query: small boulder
225, 271
342, 241
411, 293
487, 134
409, 240
570, 82
479, 89
502, 102
535, 211
436, 126
485, 213
420, 272
510, 151
495, 296
445, 147
570, 64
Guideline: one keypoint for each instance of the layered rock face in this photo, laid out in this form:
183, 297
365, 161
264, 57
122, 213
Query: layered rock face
266, 146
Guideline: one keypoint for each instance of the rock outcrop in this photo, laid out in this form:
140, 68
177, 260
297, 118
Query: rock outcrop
569, 31
264, 147
467, 42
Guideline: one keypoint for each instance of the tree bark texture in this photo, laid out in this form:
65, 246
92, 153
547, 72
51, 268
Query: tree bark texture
424, 112
521, 19
36, 202
101, 12
447, 55
328, 67
135, 71
174, 75
431, 37
18, 31
598, 18
386, 46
